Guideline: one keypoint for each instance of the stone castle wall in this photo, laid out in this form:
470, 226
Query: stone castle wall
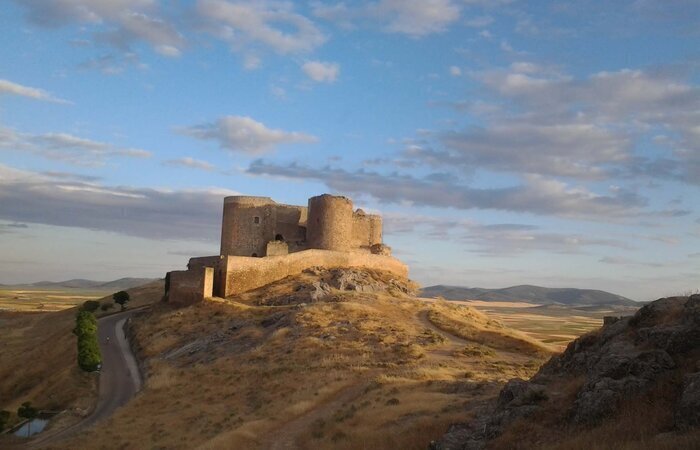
243, 274
189, 286
366, 229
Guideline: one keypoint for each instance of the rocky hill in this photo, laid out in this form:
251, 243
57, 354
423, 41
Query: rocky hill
531, 294
339, 358
635, 383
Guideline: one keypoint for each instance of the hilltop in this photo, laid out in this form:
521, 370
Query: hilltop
340, 358
531, 294
633, 384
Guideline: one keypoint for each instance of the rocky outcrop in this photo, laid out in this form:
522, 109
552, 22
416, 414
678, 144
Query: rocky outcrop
322, 284
626, 358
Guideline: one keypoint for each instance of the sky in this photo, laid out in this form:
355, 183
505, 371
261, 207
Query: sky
504, 142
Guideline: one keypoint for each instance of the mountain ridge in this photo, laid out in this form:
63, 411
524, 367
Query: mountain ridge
530, 293
81, 283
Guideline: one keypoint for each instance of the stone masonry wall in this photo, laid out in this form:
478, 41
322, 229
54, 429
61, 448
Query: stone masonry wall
243, 274
190, 286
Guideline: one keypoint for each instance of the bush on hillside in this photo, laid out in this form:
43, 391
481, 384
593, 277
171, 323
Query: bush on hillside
106, 306
91, 305
89, 357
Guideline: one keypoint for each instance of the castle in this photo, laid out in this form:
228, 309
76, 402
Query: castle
263, 241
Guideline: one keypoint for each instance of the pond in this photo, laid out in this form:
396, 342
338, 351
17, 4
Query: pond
31, 428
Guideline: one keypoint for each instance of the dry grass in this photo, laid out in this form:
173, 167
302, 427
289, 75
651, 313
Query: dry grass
38, 360
362, 371
38, 363
475, 326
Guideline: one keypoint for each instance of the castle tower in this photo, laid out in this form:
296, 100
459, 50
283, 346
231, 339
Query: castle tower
329, 224
247, 225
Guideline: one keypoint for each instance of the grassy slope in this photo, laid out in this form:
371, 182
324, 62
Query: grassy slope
365, 371
38, 361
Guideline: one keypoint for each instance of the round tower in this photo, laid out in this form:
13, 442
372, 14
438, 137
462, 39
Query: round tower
329, 224
246, 225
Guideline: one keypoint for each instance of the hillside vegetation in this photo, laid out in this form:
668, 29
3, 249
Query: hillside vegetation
341, 359
633, 384
39, 360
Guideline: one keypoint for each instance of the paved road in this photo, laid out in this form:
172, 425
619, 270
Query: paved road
120, 378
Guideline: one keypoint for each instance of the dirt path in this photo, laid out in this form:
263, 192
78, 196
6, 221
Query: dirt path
120, 378
456, 340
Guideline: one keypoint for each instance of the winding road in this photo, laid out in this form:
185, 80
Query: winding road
120, 378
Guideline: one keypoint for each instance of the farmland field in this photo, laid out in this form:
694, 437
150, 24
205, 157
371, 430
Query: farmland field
32, 299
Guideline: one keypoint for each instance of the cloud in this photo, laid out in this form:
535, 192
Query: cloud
246, 135
321, 72
581, 150
267, 24
536, 195
120, 22
498, 239
8, 87
191, 163
66, 147
622, 261
623, 125
455, 71
416, 18
31, 197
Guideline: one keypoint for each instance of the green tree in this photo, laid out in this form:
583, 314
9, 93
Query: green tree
28, 412
4, 418
121, 297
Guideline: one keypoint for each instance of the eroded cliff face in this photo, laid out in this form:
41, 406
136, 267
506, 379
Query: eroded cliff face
641, 371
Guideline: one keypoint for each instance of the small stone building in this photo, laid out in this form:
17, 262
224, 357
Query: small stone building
263, 241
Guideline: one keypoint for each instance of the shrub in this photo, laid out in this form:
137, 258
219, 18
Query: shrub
4, 418
106, 306
122, 298
27, 411
91, 305
89, 357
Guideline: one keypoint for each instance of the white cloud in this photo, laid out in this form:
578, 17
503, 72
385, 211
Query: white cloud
536, 194
66, 147
246, 135
322, 72
189, 162
31, 197
119, 22
8, 87
416, 18
479, 21
455, 71
269, 24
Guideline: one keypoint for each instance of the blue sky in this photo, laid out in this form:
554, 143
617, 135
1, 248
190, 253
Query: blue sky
505, 142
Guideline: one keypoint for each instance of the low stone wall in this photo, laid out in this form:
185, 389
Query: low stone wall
190, 286
244, 274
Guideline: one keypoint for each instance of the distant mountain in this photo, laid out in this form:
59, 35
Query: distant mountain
116, 285
530, 294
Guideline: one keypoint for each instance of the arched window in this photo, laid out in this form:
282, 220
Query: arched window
279, 237
254, 255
